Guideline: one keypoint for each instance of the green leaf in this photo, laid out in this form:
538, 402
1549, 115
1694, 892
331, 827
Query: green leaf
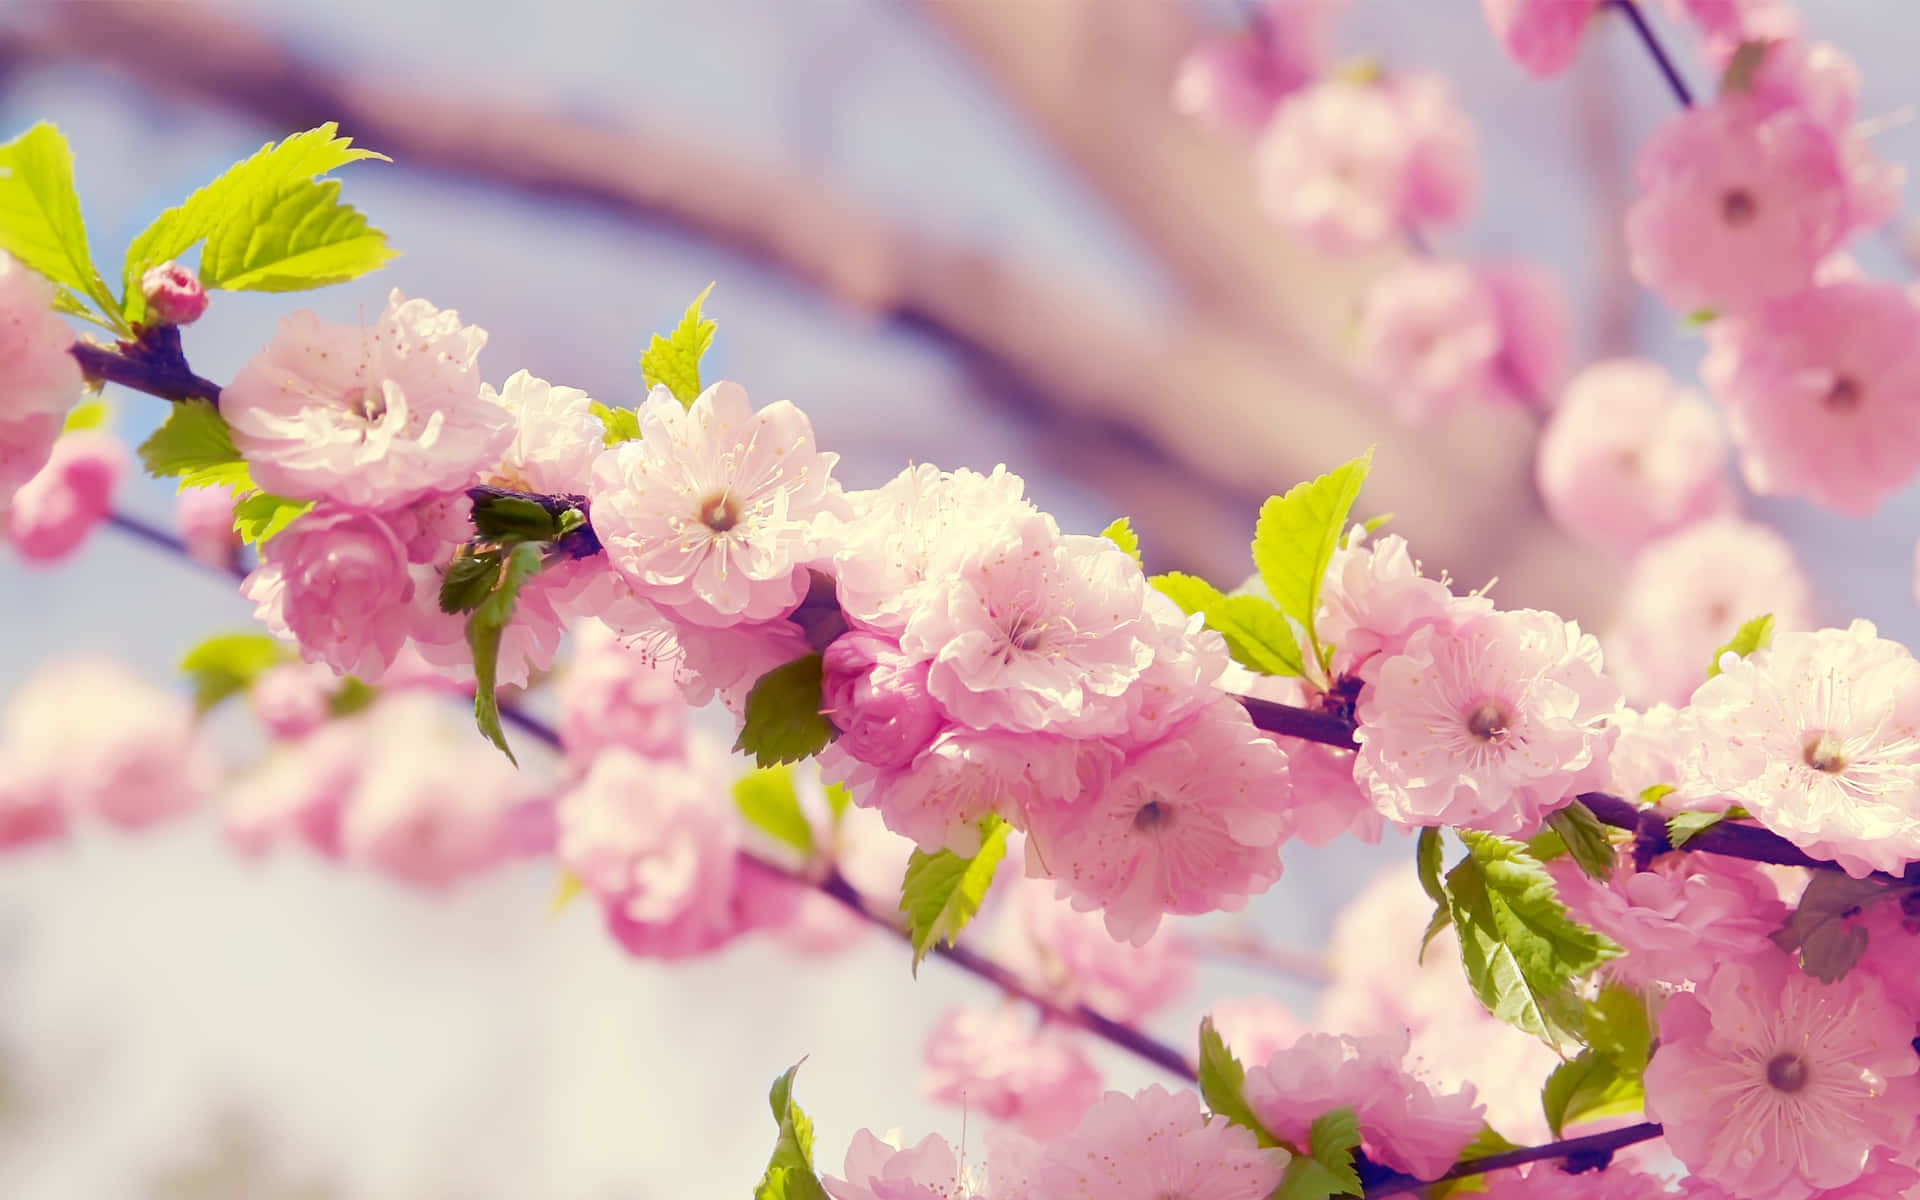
1521, 951
263, 514
767, 799
790, 1174
1756, 634
1257, 635
1428, 862
195, 444
1605, 1078
469, 579
40, 222
1683, 827
302, 238
1485, 1144
1699, 318
1821, 928
1297, 535
514, 519
1223, 1084
352, 697
783, 722
674, 361
91, 415
1586, 838
1326, 1169
228, 663
943, 891
623, 424
484, 630
1121, 534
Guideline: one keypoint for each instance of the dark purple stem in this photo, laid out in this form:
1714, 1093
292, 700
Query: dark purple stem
155, 364
1651, 41
1592, 1152
1307, 724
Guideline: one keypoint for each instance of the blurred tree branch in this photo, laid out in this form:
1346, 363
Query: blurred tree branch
1190, 420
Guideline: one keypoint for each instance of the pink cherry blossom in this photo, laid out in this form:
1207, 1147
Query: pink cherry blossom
1892, 955
1327, 803
938, 799
1547, 1181
1490, 726
39, 380
1737, 206
1255, 1028
1678, 918
1773, 1084
1817, 80
106, 742
1233, 81
997, 1062
298, 789
1189, 824
1536, 331
1687, 593
53, 512
613, 695
709, 513
657, 842
1069, 955
203, 517
1185, 672
1629, 456
1816, 388
1429, 336
876, 1170
371, 417
1404, 1123
1155, 1144
293, 699
1818, 736
1541, 35
877, 698
1375, 598
1725, 24
556, 437
337, 582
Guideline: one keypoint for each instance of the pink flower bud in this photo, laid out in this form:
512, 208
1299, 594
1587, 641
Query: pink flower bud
877, 697
174, 295
56, 509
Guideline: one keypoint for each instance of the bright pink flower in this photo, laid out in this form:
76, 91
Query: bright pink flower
1490, 726
1629, 456
39, 380
1429, 337
877, 698
1773, 1084
1818, 736
1536, 332
1188, 664
53, 512
876, 1170
203, 517
709, 513
1069, 955
658, 843
1189, 824
1541, 35
1404, 1123
1351, 165
613, 695
1687, 593
1155, 1144
1255, 1028
1737, 206
996, 1061
1013, 1158
1327, 803
939, 798
337, 582
368, 418
293, 699
1892, 956
1818, 390
108, 743
556, 437
1817, 80
1375, 598
1679, 918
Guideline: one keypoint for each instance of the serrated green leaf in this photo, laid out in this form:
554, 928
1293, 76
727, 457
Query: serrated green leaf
783, 722
1297, 534
263, 514
1586, 839
1427, 861
1820, 928
485, 628
790, 1174
469, 579
673, 361
40, 221
623, 424
1605, 1078
1223, 1084
1256, 633
767, 799
302, 238
227, 664
942, 892
1755, 634
1121, 534
1326, 1168
1521, 951
1683, 827
234, 202
91, 415
195, 444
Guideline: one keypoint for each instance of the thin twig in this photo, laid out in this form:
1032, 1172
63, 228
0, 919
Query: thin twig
1651, 41
1591, 1152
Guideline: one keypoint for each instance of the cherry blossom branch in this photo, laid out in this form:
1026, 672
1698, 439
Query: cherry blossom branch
1661, 59
155, 364
1590, 1153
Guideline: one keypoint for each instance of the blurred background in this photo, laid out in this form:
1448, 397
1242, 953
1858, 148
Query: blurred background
967, 232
